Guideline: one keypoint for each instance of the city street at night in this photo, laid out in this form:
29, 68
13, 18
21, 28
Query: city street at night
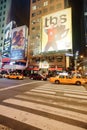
40, 105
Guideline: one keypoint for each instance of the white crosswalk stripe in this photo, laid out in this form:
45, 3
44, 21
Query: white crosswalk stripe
49, 108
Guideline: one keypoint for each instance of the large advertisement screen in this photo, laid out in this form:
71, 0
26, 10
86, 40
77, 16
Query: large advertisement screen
19, 42
57, 31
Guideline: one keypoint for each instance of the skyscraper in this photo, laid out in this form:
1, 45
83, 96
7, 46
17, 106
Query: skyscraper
13, 10
5, 6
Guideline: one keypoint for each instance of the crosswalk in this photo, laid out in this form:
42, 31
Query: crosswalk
47, 107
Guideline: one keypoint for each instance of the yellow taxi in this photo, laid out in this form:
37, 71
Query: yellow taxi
62, 79
14, 76
85, 78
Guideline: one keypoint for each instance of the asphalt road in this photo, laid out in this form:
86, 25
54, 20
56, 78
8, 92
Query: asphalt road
39, 105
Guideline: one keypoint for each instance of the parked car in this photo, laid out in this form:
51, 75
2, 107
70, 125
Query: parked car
37, 76
14, 76
4, 73
62, 79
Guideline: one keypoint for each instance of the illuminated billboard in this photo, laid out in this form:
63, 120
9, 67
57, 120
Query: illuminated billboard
57, 31
19, 42
7, 40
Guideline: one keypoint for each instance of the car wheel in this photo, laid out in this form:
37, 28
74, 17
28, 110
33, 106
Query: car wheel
57, 81
78, 83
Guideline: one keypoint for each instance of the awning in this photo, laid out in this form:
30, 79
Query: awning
6, 59
51, 69
35, 68
59, 69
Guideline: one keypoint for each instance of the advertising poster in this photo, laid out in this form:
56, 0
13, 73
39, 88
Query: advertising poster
19, 43
7, 40
57, 31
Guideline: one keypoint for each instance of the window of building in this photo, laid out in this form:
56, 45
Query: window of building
3, 18
0, 44
1, 38
33, 28
38, 36
33, 21
2, 25
34, 7
2, 31
4, 12
4, 6
38, 20
58, 6
38, 27
1, 8
39, 6
45, 10
51, 1
52, 8
45, 3
39, 12
0, 13
33, 14
1, 2
33, 1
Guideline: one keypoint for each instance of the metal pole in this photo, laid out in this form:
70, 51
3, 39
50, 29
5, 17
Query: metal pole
75, 65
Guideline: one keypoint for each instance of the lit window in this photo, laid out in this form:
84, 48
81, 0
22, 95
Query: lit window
45, 3
39, 6
34, 7
33, 21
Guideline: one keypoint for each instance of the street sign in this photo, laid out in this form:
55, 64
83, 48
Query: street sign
69, 54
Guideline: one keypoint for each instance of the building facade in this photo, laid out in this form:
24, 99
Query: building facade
42, 11
5, 6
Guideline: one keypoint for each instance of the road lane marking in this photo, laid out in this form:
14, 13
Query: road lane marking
43, 123
76, 96
43, 91
77, 99
51, 102
61, 90
48, 109
2, 89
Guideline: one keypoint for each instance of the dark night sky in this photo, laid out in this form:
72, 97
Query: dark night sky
20, 12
